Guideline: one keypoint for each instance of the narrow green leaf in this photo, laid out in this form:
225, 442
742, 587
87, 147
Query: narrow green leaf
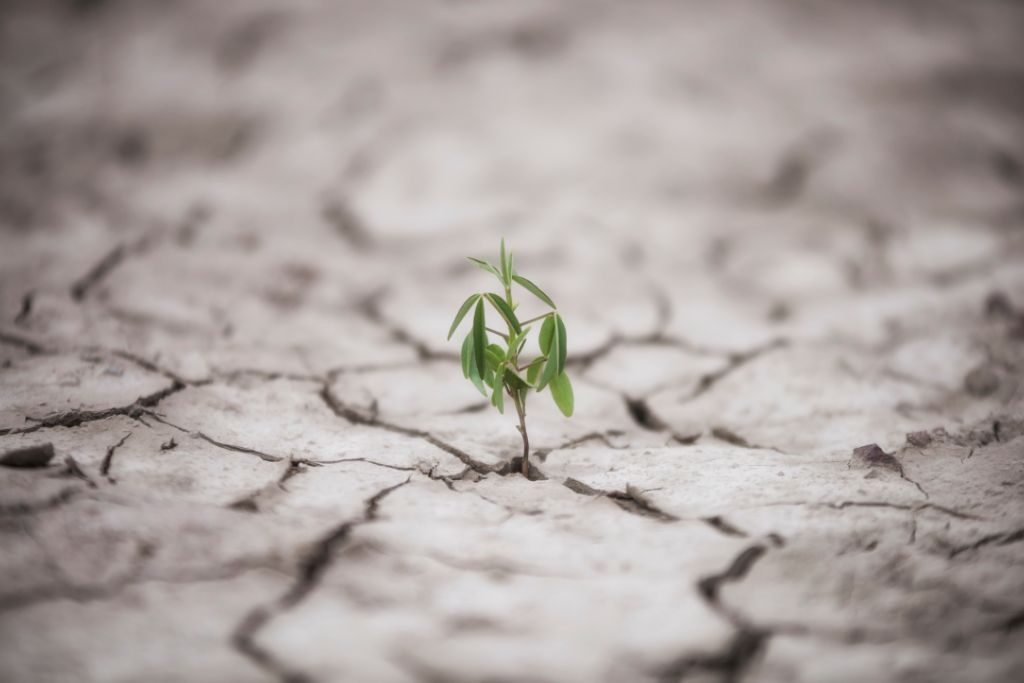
477, 381
467, 355
561, 391
546, 330
463, 310
506, 274
551, 367
533, 369
484, 265
498, 391
469, 365
513, 373
495, 355
534, 289
562, 344
516, 342
480, 338
505, 311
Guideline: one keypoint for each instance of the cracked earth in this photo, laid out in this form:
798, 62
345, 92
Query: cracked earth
788, 242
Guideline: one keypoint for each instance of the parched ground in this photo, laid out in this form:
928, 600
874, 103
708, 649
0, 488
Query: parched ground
787, 238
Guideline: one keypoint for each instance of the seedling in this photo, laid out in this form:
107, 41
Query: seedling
489, 366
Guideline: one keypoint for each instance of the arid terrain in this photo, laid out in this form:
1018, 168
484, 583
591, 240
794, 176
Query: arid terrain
787, 239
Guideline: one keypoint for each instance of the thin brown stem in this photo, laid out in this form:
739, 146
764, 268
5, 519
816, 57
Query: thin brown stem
521, 410
494, 331
517, 399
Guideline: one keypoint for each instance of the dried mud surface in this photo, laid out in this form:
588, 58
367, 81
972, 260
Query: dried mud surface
788, 242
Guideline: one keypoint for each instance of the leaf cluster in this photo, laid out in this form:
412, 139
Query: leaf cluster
497, 368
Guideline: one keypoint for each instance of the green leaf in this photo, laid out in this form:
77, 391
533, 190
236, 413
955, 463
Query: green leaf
495, 355
463, 310
467, 355
546, 330
561, 391
512, 373
562, 347
469, 365
506, 273
505, 311
484, 265
516, 342
551, 367
534, 289
498, 393
479, 338
533, 369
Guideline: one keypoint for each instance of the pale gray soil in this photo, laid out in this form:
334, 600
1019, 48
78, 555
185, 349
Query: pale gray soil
778, 231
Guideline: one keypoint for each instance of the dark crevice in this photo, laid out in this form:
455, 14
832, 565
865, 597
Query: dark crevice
135, 576
238, 449
631, 500
646, 418
904, 477
722, 526
736, 361
339, 214
251, 502
311, 572
221, 444
26, 309
400, 468
108, 459
150, 366
661, 338
73, 469
643, 415
267, 375
74, 418
355, 417
730, 437
843, 505
634, 501
370, 308
30, 346
111, 260
747, 643
582, 361
63, 496
542, 454
730, 664
1003, 538
727, 435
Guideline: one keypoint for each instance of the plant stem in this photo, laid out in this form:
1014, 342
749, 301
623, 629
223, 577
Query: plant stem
521, 410
500, 334
533, 320
518, 400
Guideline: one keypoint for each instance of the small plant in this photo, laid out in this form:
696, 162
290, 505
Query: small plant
499, 369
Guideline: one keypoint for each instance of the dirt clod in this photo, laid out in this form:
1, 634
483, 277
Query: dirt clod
38, 455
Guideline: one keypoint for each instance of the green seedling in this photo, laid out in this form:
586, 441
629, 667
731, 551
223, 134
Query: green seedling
499, 369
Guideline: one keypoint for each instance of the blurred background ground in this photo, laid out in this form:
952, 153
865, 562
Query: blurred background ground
232, 241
